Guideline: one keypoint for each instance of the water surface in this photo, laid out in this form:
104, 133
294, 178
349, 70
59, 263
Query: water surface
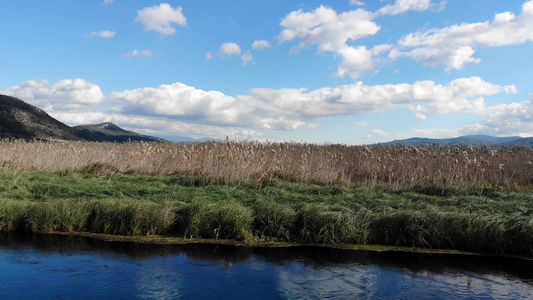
67, 267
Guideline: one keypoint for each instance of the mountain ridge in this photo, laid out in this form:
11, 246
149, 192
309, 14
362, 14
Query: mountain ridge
110, 132
21, 120
474, 140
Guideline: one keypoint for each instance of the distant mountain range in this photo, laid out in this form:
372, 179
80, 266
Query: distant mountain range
110, 132
474, 140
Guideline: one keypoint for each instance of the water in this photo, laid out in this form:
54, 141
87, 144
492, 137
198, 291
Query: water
62, 267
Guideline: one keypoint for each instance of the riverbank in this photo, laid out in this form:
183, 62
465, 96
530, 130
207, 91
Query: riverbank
174, 240
272, 211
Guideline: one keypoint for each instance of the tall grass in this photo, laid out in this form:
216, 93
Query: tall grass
275, 210
459, 167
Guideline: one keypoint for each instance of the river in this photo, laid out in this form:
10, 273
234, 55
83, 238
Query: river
69, 267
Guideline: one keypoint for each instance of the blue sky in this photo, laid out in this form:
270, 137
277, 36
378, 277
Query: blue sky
351, 72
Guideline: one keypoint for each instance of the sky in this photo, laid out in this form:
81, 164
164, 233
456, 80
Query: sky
344, 71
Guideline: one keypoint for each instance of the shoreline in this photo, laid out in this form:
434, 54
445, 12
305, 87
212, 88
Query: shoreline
175, 240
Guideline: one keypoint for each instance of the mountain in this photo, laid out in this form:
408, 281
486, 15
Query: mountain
474, 140
110, 132
20, 120
521, 142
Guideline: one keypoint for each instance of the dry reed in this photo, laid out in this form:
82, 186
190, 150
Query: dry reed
229, 162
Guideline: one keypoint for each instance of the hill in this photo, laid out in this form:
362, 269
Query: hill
20, 120
110, 132
474, 140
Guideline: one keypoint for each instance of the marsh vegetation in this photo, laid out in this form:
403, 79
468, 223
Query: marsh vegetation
474, 199
460, 167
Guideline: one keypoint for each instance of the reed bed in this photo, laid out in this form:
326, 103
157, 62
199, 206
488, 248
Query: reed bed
459, 167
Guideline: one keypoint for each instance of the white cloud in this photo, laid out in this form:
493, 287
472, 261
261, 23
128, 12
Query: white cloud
454, 46
102, 34
181, 109
161, 17
514, 119
182, 102
439, 7
401, 6
359, 59
419, 110
380, 132
463, 95
246, 58
229, 49
507, 119
356, 3
331, 32
136, 52
325, 27
67, 94
260, 44
437, 133
108, 1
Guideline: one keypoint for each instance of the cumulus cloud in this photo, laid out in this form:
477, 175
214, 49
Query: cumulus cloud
455, 46
419, 111
362, 124
286, 108
179, 101
256, 45
463, 95
67, 94
229, 49
325, 27
161, 17
331, 32
356, 2
102, 34
356, 60
380, 132
137, 52
401, 6
506, 119
180, 109
438, 133
335, 32
246, 58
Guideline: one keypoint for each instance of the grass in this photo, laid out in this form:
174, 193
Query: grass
109, 202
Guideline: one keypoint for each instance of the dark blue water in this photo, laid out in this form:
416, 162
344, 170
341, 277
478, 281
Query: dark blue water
62, 267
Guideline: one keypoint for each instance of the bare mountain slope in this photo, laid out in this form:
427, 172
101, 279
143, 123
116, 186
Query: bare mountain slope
21, 120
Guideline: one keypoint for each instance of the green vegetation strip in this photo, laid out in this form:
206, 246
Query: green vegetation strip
269, 211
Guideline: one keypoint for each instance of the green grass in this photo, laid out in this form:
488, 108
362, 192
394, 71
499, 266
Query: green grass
271, 210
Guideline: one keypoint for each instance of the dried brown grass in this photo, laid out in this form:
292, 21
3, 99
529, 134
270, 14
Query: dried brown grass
396, 166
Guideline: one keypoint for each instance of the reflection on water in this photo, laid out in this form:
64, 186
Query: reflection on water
66, 267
